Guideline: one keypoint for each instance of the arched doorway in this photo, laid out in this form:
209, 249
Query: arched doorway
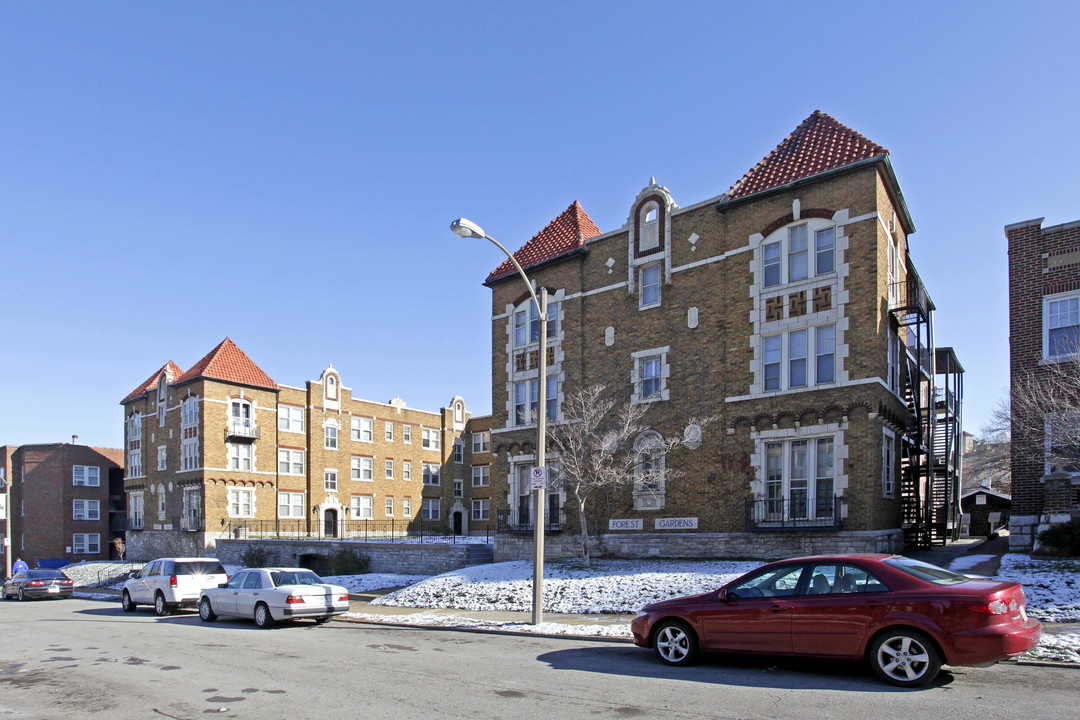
459, 523
330, 528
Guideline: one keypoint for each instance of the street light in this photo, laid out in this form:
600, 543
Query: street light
468, 229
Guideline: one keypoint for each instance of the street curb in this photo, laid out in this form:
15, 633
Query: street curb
491, 630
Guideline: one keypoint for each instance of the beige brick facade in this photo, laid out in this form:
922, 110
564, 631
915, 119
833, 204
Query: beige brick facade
711, 327
285, 461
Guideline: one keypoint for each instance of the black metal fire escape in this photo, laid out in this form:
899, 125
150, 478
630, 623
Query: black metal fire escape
948, 428
922, 518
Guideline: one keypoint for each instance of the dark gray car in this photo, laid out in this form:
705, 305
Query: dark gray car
30, 584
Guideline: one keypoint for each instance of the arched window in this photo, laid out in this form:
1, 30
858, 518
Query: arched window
649, 226
649, 471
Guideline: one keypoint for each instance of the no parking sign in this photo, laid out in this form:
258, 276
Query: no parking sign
539, 478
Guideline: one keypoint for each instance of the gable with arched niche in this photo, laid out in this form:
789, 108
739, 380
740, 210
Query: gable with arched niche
649, 244
331, 388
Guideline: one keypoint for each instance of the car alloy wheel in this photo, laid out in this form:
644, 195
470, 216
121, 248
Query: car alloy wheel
263, 618
675, 643
125, 602
206, 613
906, 658
161, 607
22, 597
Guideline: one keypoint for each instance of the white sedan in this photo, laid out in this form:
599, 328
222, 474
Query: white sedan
269, 595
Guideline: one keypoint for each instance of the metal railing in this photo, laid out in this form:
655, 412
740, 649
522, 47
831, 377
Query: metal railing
240, 430
508, 522
363, 530
189, 523
793, 514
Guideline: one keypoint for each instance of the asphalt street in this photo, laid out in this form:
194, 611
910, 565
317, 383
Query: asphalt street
86, 658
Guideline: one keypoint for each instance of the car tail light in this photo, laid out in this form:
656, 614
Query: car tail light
997, 607
343, 598
35, 582
293, 599
172, 581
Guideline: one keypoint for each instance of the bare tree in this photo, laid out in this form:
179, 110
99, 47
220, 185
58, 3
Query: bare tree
595, 448
1045, 414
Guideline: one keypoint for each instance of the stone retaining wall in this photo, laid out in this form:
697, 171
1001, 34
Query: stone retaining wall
758, 546
403, 558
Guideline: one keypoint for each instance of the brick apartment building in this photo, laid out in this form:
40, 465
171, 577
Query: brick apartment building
1044, 327
789, 309
222, 450
63, 501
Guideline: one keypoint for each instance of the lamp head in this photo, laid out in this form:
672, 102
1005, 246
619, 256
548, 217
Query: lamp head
467, 229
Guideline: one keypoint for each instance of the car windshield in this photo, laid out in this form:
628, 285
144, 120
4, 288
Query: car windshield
198, 568
926, 572
295, 577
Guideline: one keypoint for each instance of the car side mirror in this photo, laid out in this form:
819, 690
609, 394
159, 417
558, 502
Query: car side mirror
721, 595
221, 585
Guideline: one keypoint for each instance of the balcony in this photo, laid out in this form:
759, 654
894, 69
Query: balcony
241, 430
507, 522
788, 514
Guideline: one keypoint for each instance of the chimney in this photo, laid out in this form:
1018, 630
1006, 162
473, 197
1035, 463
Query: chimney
74, 439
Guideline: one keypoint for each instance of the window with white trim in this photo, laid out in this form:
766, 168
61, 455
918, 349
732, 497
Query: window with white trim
136, 509
1061, 437
88, 475
388, 431
481, 509
406, 507
330, 480
481, 442
240, 456
650, 286
431, 474
330, 436
481, 476
459, 451
459, 488
86, 543
800, 479
894, 360
792, 346
406, 470
290, 419
363, 429
824, 250
161, 501
162, 457
430, 509
795, 245
189, 451
290, 462
430, 439
649, 483
291, 505
134, 463
189, 412
85, 509
388, 469
389, 507
363, 507
363, 468
1061, 326
241, 502
406, 434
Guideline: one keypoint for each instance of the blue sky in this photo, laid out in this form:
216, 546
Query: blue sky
285, 173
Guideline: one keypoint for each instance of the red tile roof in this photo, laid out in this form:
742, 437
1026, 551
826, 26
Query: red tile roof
229, 363
819, 144
151, 382
563, 235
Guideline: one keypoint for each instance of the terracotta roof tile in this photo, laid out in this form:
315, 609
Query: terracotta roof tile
564, 234
152, 382
819, 144
229, 363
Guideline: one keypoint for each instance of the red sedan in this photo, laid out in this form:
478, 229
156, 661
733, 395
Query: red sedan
903, 616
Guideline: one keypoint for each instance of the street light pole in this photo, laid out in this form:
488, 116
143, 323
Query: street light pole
467, 229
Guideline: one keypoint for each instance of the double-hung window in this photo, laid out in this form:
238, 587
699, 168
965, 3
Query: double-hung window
650, 377
363, 468
525, 401
797, 358
363, 429
330, 480
291, 462
797, 263
86, 510
431, 474
389, 507
241, 502
771, 348
290, 505
406, 470
240, 455
86, 543
824, 250
430, 439
803, 259
388, 469
650, 286
363, 507
785, 358
330, 434
430, 509
825, 337
771, 264
459, 451
888, 465
481, 509
88, 475
290, 419
481, 476
1061, 327
481, 442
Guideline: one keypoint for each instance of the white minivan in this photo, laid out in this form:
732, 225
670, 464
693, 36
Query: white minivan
171, 583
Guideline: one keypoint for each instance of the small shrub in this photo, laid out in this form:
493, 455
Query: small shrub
348, 562
1061, 539
254, 557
